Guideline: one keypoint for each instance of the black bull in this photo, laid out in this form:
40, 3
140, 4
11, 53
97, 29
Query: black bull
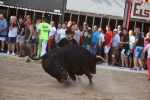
69, 60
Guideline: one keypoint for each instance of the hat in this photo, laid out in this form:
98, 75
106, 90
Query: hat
115, 30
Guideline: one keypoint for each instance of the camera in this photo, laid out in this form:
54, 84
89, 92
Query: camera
86, 26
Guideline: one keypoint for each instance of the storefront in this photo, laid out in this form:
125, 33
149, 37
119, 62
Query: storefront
95, 12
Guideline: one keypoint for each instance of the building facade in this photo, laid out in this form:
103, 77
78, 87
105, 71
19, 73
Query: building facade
95, 12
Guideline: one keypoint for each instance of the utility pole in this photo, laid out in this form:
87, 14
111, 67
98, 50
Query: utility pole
128, 8
125, 13
63, 11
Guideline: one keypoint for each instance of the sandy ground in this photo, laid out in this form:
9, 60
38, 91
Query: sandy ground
22, 81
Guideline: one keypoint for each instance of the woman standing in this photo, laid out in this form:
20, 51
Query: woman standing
131, 41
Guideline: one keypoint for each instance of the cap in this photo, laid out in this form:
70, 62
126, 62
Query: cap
115, 30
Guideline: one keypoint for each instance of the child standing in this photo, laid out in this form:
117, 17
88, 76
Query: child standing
147, 48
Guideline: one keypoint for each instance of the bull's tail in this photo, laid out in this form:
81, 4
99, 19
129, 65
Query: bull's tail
101, 58
26, 49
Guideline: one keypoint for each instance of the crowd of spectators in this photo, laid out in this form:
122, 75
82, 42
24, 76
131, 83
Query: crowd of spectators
130, 48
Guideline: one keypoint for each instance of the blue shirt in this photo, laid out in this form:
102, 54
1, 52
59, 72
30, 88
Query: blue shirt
95, 36
3, 23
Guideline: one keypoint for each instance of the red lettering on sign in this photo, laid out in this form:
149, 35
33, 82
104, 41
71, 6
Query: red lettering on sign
140, 14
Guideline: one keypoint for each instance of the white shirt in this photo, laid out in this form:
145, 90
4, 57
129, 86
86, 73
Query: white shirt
76, 35
131, 41
148, 50
101, 38
37, 27
116, 40
62, 33
52, 30
13, 31
57, 34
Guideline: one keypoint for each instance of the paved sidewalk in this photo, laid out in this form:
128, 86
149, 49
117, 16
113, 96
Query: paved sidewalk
115, 68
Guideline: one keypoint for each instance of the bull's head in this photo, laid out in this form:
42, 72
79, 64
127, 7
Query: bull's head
57, 68
63, 73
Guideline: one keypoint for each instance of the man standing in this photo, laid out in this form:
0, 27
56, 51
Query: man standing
138, 44
87, 33
101, 40
107, 44
57, 33
95, 39
76, 34
12, 34
52, 33
21, 33
120, 46
62, 33
125, 49
3, 31
67, 40
44, 29
115, 45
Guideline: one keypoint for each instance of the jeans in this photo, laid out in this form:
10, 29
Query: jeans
88, 47
94, 50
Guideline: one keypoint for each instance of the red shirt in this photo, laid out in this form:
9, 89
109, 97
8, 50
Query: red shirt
81, 38
108, 37
25, 24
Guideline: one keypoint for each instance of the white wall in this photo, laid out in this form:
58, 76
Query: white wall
107, 7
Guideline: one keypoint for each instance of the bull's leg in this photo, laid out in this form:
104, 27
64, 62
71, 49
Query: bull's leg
89, 77
72, 76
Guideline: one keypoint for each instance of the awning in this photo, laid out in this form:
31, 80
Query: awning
45, 5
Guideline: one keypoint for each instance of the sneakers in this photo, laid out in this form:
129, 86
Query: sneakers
22, 56
1, 51
8, 52
122, 67
140, 68
133, 69
13, 54
105, 64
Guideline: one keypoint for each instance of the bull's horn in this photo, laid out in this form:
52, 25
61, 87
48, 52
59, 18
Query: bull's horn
101, 58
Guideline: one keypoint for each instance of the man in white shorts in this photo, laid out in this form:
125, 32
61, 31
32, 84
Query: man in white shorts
108, 42
115, 45
3, 31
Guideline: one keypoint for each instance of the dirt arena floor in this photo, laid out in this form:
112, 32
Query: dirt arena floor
27, 81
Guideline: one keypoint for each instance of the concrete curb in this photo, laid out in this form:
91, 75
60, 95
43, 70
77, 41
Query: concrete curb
4, 56
99, 67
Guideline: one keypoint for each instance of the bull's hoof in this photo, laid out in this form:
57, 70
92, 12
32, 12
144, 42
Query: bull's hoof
91, 84
67, 83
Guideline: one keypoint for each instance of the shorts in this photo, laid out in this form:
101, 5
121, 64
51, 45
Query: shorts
33, 42
113, 51
125, 52
106, 49
2, 38
11, 39
137, 51
50, 42
131, 54
18, 40
144, 55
